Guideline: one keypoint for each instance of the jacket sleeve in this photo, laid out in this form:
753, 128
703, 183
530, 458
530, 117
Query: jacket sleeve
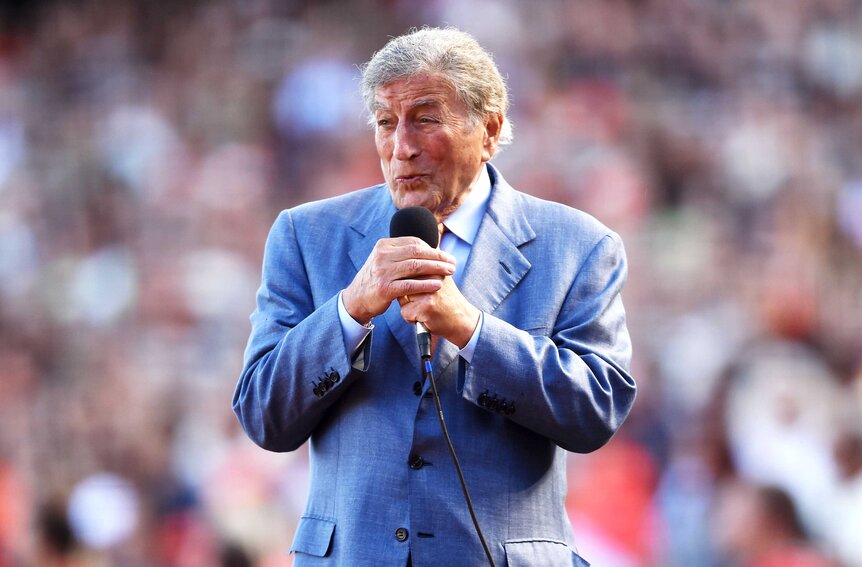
295, 364
573, 386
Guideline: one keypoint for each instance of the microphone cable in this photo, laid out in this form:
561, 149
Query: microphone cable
429, 374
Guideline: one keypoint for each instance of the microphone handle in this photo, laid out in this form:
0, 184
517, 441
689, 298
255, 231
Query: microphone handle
423, 336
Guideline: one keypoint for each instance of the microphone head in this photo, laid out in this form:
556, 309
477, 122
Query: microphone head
415, 221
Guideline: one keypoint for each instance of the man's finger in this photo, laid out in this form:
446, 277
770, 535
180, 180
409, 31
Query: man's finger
413, 267
405, 247
400, 288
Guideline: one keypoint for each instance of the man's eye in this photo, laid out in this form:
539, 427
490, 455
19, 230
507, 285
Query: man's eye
383, 122
426, 120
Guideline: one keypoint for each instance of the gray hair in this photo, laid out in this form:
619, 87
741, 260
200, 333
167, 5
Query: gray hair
449, 52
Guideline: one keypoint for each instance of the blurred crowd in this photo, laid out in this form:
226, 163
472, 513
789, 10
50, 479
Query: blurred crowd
146, 148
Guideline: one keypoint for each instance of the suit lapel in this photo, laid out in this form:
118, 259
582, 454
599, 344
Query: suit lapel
496, 264
369, 228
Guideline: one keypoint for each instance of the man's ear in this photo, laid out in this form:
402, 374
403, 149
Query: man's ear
493, 127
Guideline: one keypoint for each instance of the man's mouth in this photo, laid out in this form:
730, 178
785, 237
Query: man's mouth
409, 178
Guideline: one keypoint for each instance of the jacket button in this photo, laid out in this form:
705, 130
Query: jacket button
401, 534
483, 400
333, 376
416, 462
417, 388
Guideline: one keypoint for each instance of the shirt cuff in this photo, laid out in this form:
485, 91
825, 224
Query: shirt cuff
467, 352
353, 331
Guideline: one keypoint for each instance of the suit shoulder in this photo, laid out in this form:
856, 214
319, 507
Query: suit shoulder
341, 208
545, 215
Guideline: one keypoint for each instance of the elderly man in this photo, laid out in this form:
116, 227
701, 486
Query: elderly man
523, 295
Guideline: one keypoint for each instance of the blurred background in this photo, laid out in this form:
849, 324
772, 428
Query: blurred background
146, 148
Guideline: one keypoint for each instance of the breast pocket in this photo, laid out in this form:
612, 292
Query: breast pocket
541, 553
313, 536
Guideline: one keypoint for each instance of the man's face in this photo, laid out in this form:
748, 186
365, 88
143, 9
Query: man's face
430, 150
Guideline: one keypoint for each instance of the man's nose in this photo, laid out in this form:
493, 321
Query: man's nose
406, 146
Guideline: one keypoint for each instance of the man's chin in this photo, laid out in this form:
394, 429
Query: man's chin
414, 199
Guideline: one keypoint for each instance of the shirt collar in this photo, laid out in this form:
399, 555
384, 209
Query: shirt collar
464, 222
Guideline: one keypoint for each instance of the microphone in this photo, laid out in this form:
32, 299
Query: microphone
421, 223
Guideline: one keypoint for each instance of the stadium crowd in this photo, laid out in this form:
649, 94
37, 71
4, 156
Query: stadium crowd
146, 148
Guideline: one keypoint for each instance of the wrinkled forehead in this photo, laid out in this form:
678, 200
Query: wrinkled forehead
423, 90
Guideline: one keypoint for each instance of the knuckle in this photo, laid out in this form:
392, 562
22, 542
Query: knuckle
378, 266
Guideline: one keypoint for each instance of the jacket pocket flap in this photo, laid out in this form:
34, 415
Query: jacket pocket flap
545, 552
313, 536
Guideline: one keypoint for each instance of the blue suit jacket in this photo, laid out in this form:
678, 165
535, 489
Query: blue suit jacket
549, 374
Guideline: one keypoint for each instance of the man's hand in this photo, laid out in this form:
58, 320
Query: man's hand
446, 312
397, 267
